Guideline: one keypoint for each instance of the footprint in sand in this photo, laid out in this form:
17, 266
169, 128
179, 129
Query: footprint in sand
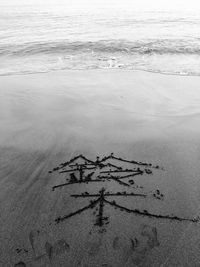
134, 243
152, 235
59, 248
42, 245
20, 264
93, 245
152, 241
137, 248
116, 243
37, 240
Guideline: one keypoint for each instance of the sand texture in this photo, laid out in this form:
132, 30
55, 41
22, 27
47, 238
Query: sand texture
99, 169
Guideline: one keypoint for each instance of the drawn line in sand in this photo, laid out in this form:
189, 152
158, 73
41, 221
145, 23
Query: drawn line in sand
101, 200
109, 170
101, 170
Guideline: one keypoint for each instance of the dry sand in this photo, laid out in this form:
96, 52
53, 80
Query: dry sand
48, 118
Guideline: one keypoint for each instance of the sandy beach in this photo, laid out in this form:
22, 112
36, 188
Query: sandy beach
49, 118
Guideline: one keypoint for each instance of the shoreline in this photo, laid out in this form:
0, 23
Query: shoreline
101, 70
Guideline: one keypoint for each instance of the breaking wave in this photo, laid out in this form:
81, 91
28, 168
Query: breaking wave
144, 47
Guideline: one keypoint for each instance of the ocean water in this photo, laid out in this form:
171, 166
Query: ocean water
48, 38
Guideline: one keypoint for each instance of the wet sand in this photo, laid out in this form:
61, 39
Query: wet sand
47, 119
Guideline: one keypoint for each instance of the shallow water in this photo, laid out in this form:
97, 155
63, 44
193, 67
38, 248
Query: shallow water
41, 38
